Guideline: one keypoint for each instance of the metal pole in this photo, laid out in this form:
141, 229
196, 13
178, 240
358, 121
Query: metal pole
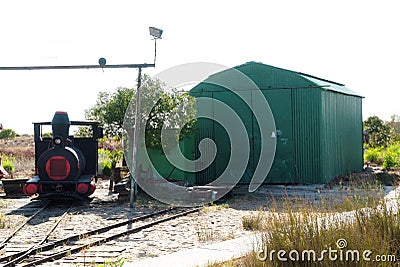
155, 50
118, 66
135, 145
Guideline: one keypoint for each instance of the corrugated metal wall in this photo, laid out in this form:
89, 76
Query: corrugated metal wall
321, 126
282, 170
306, 106
341, 134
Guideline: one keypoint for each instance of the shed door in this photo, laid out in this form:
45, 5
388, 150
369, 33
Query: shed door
214, 130
282, 170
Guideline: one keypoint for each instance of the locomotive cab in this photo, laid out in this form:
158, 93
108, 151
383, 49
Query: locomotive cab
66, 165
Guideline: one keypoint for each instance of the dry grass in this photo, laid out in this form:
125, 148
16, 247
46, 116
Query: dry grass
21, 150
3, 221
215, 207
254, 222
374, 226
365, 220
209, 234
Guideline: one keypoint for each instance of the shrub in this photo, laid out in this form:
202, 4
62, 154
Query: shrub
374, 155
7, 163
388, 157
108, 159
392, 157
8, 133
106, 167
391, 161
104, 161
253, 222
48, 134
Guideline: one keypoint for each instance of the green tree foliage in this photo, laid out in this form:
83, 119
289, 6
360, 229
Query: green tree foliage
379, 132
168, 113
394, 125
8, 133
110, 110
109, 159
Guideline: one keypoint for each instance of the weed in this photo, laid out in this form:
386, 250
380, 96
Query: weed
302, 228
215, 207
229, 236
7, 162
119, 262
230, 263
3, 204
253, 222
374, 155
2, 221
205, 234
388, 157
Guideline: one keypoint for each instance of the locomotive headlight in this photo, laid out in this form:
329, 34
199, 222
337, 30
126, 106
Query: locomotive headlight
57, 141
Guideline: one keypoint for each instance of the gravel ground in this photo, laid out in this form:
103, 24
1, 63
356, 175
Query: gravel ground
212, 224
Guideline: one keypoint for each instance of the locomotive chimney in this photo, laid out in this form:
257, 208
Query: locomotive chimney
60, 125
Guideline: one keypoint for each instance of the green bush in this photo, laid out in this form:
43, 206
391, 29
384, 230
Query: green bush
7, 163
48, 134
108, 159
8, 133
388, 157
105, 161
374, 155
392, 157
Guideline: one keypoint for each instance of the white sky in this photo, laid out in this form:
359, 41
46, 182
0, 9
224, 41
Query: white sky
352, 42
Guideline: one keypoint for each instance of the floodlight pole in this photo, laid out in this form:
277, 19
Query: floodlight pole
135, 147
155, 50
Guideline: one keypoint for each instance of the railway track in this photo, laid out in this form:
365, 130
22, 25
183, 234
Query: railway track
43, 251
33, 232
5, 240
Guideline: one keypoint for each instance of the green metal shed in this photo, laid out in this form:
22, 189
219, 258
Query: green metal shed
318, 125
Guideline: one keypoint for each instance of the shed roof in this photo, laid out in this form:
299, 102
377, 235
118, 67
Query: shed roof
284, 79
329, 85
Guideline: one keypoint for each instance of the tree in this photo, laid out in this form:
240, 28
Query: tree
379, 132
110, 109
8, 133
394, 125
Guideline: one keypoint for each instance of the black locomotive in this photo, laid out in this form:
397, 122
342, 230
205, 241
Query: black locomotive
66, 166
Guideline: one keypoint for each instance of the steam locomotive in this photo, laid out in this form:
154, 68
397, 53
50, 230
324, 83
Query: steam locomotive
66, 165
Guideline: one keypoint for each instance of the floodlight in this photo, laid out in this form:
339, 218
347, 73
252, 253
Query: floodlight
155, 32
